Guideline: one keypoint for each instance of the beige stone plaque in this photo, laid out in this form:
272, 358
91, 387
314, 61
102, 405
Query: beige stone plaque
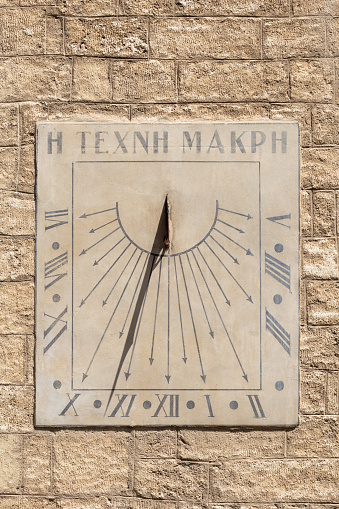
167, 274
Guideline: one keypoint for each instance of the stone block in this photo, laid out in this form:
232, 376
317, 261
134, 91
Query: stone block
312, 392
28, 3
232, 7
52, 78
319, 168
306, 213
320, 259
17, 308
299, 112
10, 463
312, 81
91, 80
30, 358
116, 37
17, 215
87, 503
319, 347
146, 7
139, 503
148, 81
324, 213
325, 118
303, 304
169, 479
37, 503
92, 463
294, 37
316, 8
229, 81
216, 445
37, 464
54, 35
12, 359
26, 173
156, 444
205, 38
332, 393
11, 502
8, 168
278, 480
16, 259
321, 434
322, 298
88, 7
8, 124
16, 409
100, 111
30, 113
22, 31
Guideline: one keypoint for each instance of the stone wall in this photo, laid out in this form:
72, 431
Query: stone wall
170, 60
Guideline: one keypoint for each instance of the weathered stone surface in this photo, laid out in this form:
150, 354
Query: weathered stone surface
319, 347
88, 7
10, 463
216, 445
332, 393
149, 81
23, 31
227, 81
205, 37
17, 308
17, 214
30, 358
318, 7
319, 169
106, 466
37, 461
12, 359
152, 7
156, 444
26, 176
220, 7
30, 113
322, 300
117, 37
85, 503
299, 112
312, 81
170, 479
306, 213
139, 503
91, 80
324, 213
312, 392
238, 480
294, 37
303, 304
320, 258
54, 35
52, 78
112, 112
28, 3
325, 119
8, 168
16, 408
321, 435
8, 124
16, 259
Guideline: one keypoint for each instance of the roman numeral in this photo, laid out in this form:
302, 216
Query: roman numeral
120, 407
282, 336
55, 322
280, 271
256, 406
55, 218
172, 408
278, 219
52, 266
209, 405
70, 404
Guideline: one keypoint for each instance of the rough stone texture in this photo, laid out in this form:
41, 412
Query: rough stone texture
87, 7
299, 112
17, 308
91, 80
312, 81
8, 124
319, 169
30, 113
319, 347
89, 503
112, 112
324, 213
321, 435
17, 214
26, 177
139, 503
118, 37
320, 259
37, 456
318, 7
312, 392
156, 444
151, 7
23, 32
16, 259
325, 118
220, 7
332, 393
106, 469
306, 213
233, 81
8, 168
206, 38
10, 463
322, 300
286, 38
12, 359
16, 408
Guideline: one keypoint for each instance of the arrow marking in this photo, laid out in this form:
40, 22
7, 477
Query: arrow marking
99, 227
215, 279
248, 251
230, 226
182, 330
96, 262
84, 251
168, 323
123, 270
151, 359
84, 216
222, 247
237, 213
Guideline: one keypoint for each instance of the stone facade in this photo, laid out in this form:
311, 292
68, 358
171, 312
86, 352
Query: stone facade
170, 60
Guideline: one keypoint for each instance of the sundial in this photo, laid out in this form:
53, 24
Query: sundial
167, 274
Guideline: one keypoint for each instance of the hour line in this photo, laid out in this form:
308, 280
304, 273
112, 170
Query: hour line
84, 251
123, 270
248, 251
96, 262
168, 322
215, 279
225, 250
203, 376
249, 298
230, 226
93, 230
151, 359
95, 213
222, 321
182, 330
236, 213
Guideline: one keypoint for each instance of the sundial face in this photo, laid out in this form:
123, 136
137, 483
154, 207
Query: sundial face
167, 274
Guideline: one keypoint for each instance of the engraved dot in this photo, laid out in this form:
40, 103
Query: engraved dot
277, 299
56, 384
56, 297
278, 248
55, 245
147, 405
190, 404
234, 405
97, 403
279, 385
